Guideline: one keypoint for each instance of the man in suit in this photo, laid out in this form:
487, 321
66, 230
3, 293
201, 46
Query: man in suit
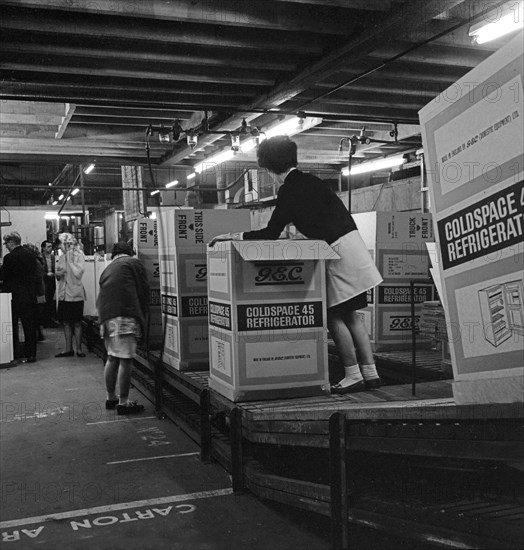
18, 274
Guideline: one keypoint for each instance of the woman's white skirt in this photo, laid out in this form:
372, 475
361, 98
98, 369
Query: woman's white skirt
354, 273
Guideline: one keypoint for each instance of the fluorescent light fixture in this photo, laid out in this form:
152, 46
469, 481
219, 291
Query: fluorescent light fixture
373, 165
191, 176
55, 203
90, 168
171, 184
288, 127
214, 160
51, 216
156, 191
61, 197
74, 191
499, 23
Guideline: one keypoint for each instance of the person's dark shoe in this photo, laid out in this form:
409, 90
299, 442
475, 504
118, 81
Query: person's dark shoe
65, 354
80, 354
373, 384
111, 403
29, 360
341, 390
131, 408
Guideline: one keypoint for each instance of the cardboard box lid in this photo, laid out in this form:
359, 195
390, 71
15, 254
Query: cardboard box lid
283, 249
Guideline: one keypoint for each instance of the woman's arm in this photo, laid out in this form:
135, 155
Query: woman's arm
77, 262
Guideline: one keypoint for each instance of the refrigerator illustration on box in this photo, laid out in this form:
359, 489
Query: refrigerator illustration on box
502, 310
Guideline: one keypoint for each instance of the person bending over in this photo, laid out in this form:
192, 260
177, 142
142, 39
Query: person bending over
122, 306
318, 213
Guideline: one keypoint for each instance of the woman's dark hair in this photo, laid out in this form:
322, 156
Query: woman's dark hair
122, 247
277, 154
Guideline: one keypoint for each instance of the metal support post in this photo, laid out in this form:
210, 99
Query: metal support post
338, 481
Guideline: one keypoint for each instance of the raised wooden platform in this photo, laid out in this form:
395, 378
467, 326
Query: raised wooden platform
415, 465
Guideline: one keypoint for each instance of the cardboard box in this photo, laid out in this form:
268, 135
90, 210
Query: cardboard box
183, 237
93, 267
474, 144
6, 332
267, 318
145, 241
396, 241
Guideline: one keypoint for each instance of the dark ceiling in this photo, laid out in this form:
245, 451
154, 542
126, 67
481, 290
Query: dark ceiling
83, 80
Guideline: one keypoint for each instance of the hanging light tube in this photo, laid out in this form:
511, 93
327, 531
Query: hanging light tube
171, 184
75, 191
499, 23
213, 160
156, 191
90, 168
373, 165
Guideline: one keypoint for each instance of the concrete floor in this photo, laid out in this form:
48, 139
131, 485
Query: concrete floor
77, 476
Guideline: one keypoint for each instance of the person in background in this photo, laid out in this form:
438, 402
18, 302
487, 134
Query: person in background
39, 289
69, 269
122, 306
18, 275
318, 213
50, 283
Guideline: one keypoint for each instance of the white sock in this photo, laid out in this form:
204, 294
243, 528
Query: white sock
352, 376
369, 372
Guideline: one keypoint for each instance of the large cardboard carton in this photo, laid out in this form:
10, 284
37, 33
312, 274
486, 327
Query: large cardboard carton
145, 241
93, 267
396, 241
267, 318
474, 151
6, 329
183, 236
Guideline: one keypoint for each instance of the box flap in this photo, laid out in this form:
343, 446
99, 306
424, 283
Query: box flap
285, 249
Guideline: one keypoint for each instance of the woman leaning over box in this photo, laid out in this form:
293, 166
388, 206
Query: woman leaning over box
318, 213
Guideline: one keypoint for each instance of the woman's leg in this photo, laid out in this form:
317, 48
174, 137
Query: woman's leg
68, 335
78, 336
124, 380
341, 334
110, 376
342, 337
360, 337
363, 345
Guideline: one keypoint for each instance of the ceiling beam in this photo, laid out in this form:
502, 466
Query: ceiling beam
433, 54
315, 18
32, 119
138, 113
372, 5
119, 95
70, 109
409, 16
106, 29
219, 78
113, 54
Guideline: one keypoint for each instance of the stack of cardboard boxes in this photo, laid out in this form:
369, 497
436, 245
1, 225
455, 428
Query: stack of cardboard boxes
396, 241
183, 236
145, 242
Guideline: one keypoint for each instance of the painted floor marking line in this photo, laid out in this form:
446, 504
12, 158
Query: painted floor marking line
115, 507
120, 420
152, 458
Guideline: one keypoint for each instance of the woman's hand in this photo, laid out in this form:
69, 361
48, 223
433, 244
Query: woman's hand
226, 237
